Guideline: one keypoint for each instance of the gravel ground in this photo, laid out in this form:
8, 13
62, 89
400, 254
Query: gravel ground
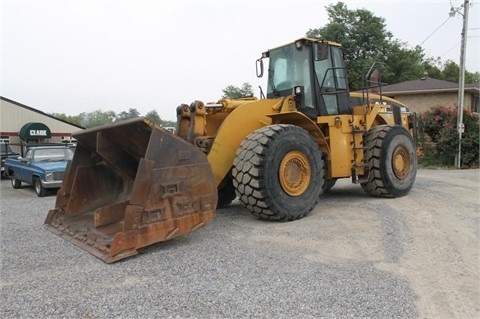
353, 256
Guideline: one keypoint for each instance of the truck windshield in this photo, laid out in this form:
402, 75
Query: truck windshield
52, 154
289, 67
5, 149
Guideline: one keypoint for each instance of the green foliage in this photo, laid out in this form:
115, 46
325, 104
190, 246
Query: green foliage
472, 77
99, 117
451, 71
96, 118
438, 118
233, 92
401, 63
132, 113
432, 68
74, 119
363, 36
440, 124
365, 40
154, 117
448, 71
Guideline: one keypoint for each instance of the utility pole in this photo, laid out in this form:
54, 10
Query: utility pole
461, 81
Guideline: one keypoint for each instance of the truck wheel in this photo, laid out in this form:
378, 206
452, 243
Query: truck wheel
278, 172
16, 183
392, 161
39, 189
226, 192
329, 185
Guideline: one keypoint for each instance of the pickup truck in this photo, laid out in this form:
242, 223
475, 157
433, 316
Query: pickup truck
6, 152
43, 167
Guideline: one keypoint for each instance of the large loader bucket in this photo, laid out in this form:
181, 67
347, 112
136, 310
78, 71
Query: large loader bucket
130, 185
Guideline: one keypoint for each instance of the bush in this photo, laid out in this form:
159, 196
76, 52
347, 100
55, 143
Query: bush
440, 123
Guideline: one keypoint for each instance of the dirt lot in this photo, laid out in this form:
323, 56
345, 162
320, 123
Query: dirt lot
430, 237
353, 256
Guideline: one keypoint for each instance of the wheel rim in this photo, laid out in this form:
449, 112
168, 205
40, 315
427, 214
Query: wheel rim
295, 173
38, 187
401, 162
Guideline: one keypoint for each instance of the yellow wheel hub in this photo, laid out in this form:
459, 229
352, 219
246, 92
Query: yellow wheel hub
295, 173
401, 162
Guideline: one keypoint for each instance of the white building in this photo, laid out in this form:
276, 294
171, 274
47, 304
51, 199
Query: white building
24, 124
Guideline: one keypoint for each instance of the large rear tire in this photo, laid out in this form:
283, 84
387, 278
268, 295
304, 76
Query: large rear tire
279, 172
226, 192
329, 183
392, 161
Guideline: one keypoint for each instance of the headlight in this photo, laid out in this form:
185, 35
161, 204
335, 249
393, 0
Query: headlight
49, 176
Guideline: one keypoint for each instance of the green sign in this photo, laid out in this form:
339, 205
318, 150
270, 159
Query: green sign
35, 130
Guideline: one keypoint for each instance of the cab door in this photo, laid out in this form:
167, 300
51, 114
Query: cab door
331, 78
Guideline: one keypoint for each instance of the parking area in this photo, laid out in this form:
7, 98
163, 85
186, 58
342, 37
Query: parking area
353, 256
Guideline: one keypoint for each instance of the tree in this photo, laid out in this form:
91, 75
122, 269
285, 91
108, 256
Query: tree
472, 77
363, 36
451, 71
432, 67
74, 119
132, 113
366, 40
448, 71
96, 118
154, 117
233, 92
401, 63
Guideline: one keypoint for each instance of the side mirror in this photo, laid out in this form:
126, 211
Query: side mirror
259, 67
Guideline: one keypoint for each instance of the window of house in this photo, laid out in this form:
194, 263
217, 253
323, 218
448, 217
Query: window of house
475, 104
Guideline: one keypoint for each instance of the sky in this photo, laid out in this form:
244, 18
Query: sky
80, 56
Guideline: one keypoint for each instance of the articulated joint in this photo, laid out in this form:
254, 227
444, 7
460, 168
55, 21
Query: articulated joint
183, 120
198, 124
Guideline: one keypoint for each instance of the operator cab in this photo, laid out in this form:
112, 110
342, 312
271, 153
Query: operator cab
311, 69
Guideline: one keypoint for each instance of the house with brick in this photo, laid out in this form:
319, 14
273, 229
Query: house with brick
422, 94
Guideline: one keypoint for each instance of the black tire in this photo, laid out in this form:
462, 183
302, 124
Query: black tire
278, 172
392, 161
329, 184
16, 183
39, 189
226, 192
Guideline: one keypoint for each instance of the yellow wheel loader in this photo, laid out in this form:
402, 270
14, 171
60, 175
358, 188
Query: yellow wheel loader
132, 184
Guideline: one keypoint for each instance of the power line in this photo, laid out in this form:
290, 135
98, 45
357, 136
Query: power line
435, 31
449, 50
